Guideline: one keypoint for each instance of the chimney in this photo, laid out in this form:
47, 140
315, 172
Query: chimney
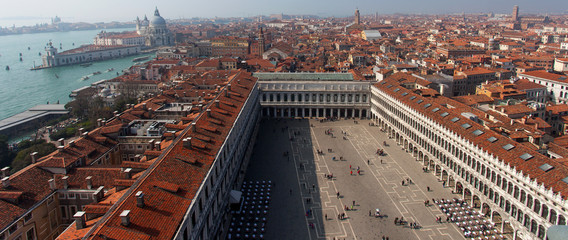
126, 173
140, 199
137, 157
187, 142
5, 172
144, 106
52, 184
229, 87
194, 127
99, 193
150, 112
61, 142
71, 143
6, 182
512, 121
115, 113
65, 182
89, 182
151, 142
200, 106
208, 112
80, 220
34, 157
158, 146
81, 131
227, 93
217, 103
99, 122
125, 218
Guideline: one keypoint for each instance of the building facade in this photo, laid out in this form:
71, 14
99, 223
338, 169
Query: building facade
322, 95
514, 186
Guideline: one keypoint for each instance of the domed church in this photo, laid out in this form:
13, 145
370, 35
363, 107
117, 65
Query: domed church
155, 30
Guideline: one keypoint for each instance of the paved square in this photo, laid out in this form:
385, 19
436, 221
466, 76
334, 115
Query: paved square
305, 204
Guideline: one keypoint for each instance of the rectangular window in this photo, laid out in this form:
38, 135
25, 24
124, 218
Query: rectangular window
28, 217
30, 234
63, 210
72, 210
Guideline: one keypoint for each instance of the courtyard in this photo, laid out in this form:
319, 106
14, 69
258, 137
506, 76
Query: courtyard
318, 169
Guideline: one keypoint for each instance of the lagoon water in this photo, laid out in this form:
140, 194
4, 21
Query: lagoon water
21, 88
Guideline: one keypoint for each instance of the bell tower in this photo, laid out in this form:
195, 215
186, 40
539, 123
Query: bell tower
260, 42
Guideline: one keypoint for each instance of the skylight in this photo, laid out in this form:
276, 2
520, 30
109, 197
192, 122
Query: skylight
477, 132
526, 156
383, 82
492, 139
396, 90
466, 125
427, 105
508, 146
455, 119
565, 179
413, 97
546, 167
420, 101
404, 93
435, 109
389, 86
444, 114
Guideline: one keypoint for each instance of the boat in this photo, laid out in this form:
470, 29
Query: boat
139, 59
97, 73
56, 76
84, 78
85, 64
110, 69
8, 68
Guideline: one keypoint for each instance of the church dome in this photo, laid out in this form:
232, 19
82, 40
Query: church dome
157, 19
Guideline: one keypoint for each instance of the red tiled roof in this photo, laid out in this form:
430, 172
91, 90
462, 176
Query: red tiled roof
550, 179
166, 207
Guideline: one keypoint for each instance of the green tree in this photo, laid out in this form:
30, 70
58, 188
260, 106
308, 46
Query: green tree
24, 159
6, 155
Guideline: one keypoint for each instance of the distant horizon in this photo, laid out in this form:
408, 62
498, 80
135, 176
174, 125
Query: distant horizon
127, 10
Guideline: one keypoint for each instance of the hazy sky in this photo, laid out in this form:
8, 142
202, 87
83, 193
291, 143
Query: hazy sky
124, 10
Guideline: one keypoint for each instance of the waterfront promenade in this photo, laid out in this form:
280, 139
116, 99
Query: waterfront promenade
303, 197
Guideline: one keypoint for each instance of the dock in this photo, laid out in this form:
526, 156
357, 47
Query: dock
31, 118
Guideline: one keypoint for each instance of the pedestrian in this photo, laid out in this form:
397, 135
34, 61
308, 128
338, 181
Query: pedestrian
326, 216
349, 166
402, 182
290, 191
359, 172
428, 188
381, 161
337, 194
369, 213
351, 173
353, 202
368, 162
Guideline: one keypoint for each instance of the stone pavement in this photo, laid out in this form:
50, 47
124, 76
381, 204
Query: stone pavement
305, 204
